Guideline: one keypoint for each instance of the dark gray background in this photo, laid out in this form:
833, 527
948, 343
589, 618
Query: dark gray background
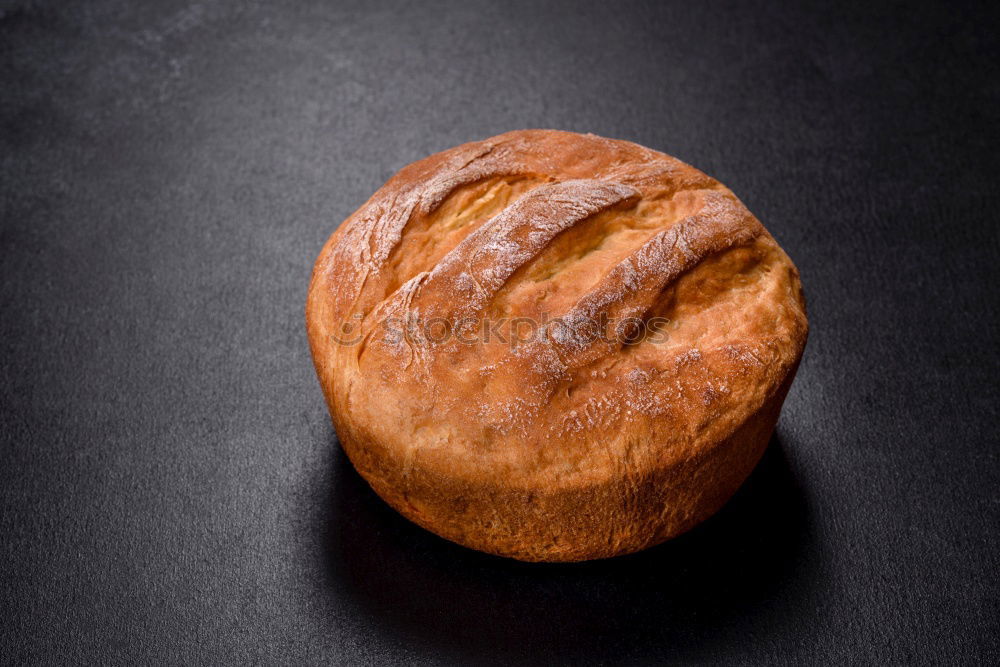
170, 487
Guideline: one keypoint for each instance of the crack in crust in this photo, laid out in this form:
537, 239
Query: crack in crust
629, 290
462, 284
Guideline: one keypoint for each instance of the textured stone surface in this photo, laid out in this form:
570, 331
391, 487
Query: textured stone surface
170, 489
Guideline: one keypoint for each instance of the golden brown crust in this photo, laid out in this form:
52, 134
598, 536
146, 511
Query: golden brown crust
483, 330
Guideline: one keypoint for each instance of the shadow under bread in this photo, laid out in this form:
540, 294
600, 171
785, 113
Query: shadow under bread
447, 600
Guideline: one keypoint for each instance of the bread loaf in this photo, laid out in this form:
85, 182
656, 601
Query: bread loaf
553, 346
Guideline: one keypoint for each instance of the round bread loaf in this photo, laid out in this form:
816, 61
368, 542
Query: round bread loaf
553, 346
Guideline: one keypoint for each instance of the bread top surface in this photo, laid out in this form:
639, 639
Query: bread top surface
550, 309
